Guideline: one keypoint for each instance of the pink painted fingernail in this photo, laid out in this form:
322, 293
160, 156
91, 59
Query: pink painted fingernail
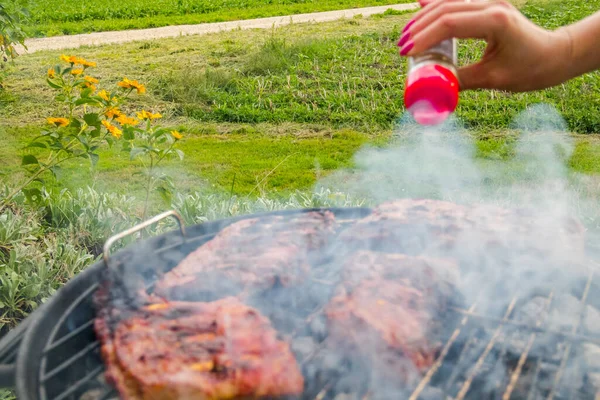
404, 39
407, 27
408, 47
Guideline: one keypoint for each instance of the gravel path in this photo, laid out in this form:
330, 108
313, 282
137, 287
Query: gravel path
99, 38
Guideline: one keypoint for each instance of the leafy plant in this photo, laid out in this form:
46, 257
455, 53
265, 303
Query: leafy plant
12, 16
199, 207
76, 134
152, 144
16, 229
34, 272
90, 120
89, 216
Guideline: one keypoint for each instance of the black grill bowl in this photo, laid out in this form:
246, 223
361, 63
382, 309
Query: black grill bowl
59, 358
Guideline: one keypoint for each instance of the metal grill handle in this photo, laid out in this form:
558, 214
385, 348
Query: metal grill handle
139, 227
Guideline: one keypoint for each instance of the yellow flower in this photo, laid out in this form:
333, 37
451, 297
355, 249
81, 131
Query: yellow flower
146, 115
125, 83
104, 95
116, 132
51, 73
113, 112
62, 122
77, 71
89, 79
68, 59
87, 64
77, 60
90, 86
125, 120
141, 89
129, 84
176, 135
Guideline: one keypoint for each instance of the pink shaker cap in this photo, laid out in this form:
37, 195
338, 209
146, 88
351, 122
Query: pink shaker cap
431, 94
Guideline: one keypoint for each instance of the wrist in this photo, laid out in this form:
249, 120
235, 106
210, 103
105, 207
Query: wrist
581, 55
565, 55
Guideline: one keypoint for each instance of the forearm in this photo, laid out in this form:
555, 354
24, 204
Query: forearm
584, 43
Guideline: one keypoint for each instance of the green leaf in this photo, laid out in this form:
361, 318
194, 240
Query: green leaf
75, 123
32, 195
87, 100
136, 152
82, 139
41, 145
92, 119
56, 145
29, 159
166, 194
52, 84
94, 158
159, 132
128, 133
95, 133
179, 153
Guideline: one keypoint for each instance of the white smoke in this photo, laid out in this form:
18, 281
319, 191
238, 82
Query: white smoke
441, 163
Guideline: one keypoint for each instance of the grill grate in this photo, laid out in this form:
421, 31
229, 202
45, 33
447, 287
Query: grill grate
472, 357
474, 350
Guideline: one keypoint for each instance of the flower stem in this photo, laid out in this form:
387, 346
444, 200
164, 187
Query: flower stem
18, 189
148, 186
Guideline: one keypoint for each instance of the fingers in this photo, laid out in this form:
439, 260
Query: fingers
445, 8
431, 5
478, 24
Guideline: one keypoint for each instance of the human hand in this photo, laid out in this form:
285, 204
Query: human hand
520, 56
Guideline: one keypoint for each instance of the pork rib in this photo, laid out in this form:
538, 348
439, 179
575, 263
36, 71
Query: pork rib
390, 304
445, 229
256, 253
197, 351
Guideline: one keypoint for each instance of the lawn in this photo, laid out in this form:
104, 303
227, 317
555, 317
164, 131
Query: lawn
58, 17
265, 116
273, 110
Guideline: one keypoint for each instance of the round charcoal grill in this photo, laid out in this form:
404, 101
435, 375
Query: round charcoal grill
54, 354
58, 358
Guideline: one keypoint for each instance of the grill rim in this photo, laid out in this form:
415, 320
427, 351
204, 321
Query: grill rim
42, 322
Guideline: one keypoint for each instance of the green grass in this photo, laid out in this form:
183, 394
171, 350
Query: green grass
57, 17
250, 160
273, 110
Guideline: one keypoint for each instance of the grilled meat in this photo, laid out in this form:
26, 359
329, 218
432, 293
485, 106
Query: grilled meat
218, 350
390, 305
467, 233
435, 278
256, 253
